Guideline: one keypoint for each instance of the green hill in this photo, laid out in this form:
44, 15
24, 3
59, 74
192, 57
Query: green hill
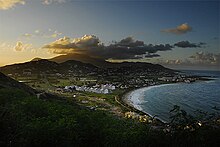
27, 121
9, 83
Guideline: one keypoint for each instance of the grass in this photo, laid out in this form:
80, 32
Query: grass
28, 121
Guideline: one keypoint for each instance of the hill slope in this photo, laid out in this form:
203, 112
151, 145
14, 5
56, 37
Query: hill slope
7, 82
48, 67
82, 58
44, 66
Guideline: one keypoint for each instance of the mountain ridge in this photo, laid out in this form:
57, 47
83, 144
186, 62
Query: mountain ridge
73, 67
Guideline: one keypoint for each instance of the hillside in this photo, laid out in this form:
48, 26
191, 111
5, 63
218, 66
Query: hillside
82, 58
8, 83
49, 67
28, 121
43, 66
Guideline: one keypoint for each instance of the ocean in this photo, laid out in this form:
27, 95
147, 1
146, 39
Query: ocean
159, 100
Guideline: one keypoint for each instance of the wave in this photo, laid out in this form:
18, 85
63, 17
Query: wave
190, 97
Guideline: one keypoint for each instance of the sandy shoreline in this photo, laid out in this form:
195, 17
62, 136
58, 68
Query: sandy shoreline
134, 98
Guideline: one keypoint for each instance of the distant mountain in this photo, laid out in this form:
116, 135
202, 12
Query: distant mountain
138, 68
49, 67
140, 65
105, 64
43, 65
65, 64
7, 82
82, 58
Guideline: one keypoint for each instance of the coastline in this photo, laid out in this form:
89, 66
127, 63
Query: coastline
129, 100
132, 97
123, 101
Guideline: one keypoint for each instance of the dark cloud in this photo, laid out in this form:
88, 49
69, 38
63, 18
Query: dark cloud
129, 42
187, 44
179, 30
127, 48
215, 38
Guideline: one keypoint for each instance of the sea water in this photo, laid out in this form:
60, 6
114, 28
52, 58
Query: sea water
159, 100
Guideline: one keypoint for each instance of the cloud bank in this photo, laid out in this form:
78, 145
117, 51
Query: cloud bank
127, 48
45, 34
198, 59
7, 4
206, 58
179, 30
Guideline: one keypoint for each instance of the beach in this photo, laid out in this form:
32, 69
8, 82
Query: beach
135, 98
158, 100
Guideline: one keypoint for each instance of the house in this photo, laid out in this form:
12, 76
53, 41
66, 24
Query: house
108, 86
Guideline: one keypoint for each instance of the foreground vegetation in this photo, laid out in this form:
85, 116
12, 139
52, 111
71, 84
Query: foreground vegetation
28, 121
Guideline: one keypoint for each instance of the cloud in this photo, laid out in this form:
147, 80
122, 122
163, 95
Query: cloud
173, 62
181, 29
45, 34
66, 45
127, 48
37, 31
27, 35
187, 44
206, 58
129, 42
147, 55
55, 34
5, 46
2, 45
215, 38
48, 34
7, 4
48, 2
20, 46
201, 59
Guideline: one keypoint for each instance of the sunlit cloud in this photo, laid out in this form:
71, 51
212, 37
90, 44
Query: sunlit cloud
127, 48
21, 46
181, 29
55, 34
2, 45
67, 45
45, 34
7, 4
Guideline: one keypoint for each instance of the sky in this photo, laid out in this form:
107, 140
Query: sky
176, 34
